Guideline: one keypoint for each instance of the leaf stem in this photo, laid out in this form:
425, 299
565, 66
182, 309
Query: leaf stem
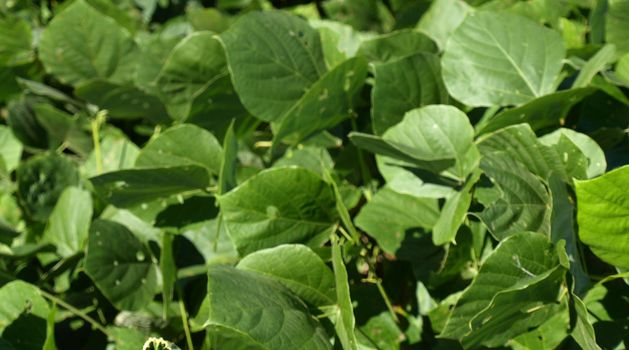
76, 312
96, 122
184, 320
387, 301
364, 172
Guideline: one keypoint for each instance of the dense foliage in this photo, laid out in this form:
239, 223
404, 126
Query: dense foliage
345, 174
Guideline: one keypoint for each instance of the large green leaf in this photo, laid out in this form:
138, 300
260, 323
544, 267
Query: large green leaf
404, 84
497, 58
196, 63
81, 44
279, 205
558, 154
389, 214
524, 203
616, 22
288, 49
442, 18
69, 221
252, 311
23, 315
437, 132
122, 101
182, 145
120, 265
395, 45
325, 104
298, 268
15, 41
548, 110
603, 216
515, 290
130, 187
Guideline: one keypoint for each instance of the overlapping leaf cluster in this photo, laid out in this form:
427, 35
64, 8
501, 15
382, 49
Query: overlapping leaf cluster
342, 174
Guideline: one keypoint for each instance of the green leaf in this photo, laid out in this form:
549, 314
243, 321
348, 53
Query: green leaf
80, 44
547, 336
296, 267
453, 213
130, 187
250, 309
10, 149
378, 145
344, 319
122, 101
41, 180
288, 49
120, 265
442, 18
583, 332
15, 42
404, 84
514, 291
616, 21
395, 45
389, 214
542, 112
276, 206
556, 154
603, 216
69, 222
180, 145
192, 66
437, 132
23, 315
227, 174
524, 203
598, 62
577, 146
327, 102
496, 58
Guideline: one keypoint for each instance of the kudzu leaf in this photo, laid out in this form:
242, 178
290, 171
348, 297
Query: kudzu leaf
603, 215
277, 206
402, 85
69, 222
453, 214
566, 140
120, 265
497, 58
131, 187
288, 49
183, 144
298, 268
81, 43
514, 291
249, 310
